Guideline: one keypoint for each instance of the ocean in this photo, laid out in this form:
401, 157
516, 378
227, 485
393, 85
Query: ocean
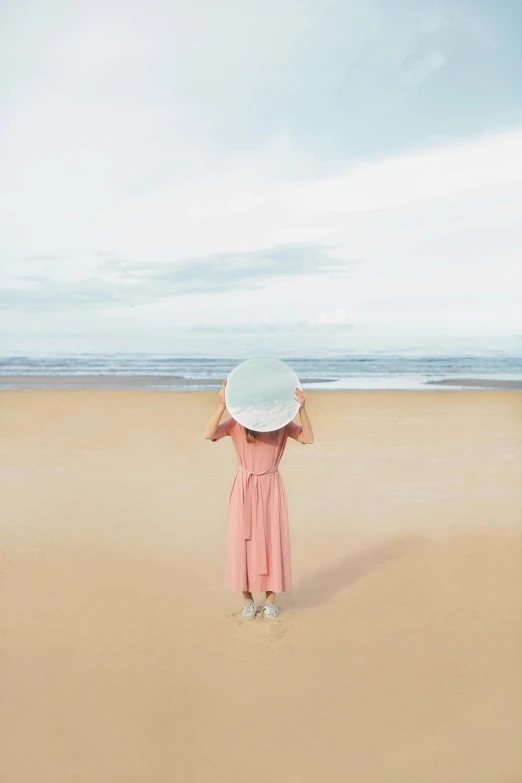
404, 369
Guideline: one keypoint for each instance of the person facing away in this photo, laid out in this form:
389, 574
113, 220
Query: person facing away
258, 541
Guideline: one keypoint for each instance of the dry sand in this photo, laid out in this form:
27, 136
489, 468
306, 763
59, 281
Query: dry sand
397, 657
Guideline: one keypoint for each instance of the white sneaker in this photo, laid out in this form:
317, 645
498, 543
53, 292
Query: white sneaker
249, 610
270, 610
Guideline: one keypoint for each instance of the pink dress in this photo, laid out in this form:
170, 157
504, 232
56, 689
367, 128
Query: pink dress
258, 540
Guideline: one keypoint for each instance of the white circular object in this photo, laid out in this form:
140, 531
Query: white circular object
260, 394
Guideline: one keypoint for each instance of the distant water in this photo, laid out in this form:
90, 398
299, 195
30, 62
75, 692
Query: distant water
378, 370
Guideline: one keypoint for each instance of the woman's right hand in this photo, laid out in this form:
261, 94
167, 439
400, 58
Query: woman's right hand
222, 393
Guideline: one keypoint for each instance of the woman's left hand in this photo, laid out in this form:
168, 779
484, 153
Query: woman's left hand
300, 397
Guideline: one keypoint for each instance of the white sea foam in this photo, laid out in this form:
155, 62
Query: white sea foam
265, 418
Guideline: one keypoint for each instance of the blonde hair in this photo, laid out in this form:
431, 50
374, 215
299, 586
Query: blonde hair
252, 436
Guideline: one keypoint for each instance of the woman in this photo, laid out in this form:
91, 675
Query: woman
258, 541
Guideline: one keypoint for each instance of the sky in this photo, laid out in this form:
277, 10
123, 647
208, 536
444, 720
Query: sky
207, 172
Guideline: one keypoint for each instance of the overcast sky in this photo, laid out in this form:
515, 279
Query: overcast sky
225, 167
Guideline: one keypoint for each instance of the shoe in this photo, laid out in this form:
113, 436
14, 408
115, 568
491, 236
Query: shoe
249, 610
270, 610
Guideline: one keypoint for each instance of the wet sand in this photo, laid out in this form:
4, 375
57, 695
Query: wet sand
479, 383
110, 381
116, 382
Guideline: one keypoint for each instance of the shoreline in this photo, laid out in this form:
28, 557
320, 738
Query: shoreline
488, 383
118, 381
175, 383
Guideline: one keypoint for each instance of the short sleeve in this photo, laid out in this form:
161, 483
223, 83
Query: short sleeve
294, 431
225, 428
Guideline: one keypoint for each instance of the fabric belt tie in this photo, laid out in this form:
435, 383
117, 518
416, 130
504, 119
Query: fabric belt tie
260, 533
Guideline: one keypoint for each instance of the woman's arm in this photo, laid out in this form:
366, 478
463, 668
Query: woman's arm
210, 429
308, 435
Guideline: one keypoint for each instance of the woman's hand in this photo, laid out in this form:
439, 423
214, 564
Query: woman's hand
222, 393
300, 397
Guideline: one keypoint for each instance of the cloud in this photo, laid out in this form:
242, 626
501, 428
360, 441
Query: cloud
238, 328
266, 328
121, 282
416, 69
338, 318
37, 258
422, 241
224, 271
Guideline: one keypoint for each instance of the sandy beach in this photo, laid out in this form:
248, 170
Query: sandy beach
397, 656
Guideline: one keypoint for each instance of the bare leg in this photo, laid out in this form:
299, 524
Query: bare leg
269, 597
247, 596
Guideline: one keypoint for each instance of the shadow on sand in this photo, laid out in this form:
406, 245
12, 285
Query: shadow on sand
321, 586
